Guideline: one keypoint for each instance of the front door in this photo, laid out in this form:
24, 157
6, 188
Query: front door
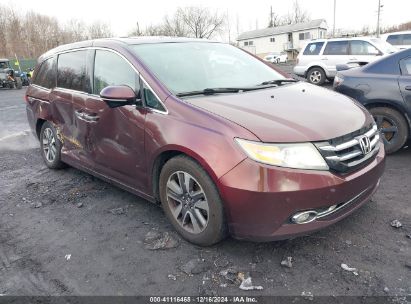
363, 51
115, 138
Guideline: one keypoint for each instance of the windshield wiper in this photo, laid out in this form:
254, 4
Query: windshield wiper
278, 81
213, 91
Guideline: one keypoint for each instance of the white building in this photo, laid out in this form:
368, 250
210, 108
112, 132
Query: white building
288, 38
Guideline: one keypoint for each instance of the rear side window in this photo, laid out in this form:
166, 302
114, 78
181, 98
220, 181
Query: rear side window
406, 39
336, 48
110, 69
71, 70
360, 47
394, 39
46, 76
313, 48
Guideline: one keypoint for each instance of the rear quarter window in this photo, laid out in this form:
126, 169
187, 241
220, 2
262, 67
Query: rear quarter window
71, 70
394, 39
46, 76
313, 48
406, 39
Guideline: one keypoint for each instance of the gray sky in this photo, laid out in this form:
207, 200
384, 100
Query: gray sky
123, 15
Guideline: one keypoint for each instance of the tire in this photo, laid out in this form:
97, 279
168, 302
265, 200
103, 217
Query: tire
388, 119
188, 221
316, 76
48, 140
19, 84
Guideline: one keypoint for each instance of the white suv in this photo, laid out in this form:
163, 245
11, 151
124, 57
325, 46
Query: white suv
401, 40
318, 59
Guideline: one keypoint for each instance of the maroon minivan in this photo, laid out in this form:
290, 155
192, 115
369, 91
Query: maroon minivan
225, 142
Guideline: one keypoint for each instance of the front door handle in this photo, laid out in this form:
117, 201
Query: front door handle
408, 88
86, 117
90, 117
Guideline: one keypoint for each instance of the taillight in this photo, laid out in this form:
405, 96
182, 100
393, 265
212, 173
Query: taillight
338, 80
26, 97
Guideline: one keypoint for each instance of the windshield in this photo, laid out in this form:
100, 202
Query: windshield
196, 66
384, 46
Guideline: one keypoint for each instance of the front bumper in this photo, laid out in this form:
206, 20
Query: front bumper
260, 200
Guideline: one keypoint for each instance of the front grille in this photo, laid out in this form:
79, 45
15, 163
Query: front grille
346, 153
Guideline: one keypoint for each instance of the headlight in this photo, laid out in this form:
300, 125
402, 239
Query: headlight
298, 156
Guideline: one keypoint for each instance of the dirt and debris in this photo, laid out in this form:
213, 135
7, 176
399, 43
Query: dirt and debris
155, 240
221, 262
287, 262
308, 295
396, 224
119, 211
195, 266
350, 269
172, 277
247, 284
36, 205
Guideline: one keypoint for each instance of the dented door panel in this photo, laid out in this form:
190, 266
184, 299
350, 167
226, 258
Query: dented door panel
115, 142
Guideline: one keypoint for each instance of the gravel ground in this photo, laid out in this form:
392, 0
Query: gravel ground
67, 233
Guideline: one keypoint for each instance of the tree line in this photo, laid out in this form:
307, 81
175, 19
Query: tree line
30, 34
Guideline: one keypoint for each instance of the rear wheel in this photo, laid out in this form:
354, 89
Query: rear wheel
50, 146
191, 201
393, 128
316, 76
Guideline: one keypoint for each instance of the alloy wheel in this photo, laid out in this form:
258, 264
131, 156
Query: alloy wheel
315, 76
188, 202
387, 127
49, 145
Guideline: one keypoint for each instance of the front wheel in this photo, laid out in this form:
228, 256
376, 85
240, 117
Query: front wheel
393, 128
191, 201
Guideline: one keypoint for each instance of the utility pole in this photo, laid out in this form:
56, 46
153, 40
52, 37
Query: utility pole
271, 17
378, 19
335, 8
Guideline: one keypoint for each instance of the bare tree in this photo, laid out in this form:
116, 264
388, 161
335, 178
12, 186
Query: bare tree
99, 29
136, 31
297, 15
275, 20
201, 22
175, 25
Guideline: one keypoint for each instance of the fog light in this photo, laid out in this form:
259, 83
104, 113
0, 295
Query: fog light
304, 217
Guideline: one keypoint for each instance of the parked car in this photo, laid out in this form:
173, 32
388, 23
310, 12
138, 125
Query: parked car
384, 88
8, 77
277, 57
224, 148
401, 40
318, 60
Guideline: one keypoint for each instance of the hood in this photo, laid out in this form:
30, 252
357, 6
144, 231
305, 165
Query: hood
296, 112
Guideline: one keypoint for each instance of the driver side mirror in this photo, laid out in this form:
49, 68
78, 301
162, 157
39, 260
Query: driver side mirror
118, 96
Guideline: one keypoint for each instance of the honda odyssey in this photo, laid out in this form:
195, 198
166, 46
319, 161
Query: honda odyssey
225, 148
